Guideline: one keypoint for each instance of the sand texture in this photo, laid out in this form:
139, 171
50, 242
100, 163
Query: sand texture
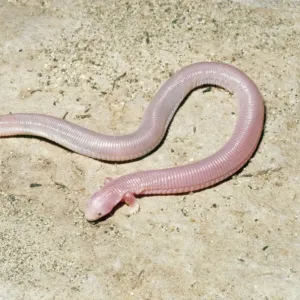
98, 64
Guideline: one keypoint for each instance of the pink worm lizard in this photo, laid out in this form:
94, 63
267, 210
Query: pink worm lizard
194, 176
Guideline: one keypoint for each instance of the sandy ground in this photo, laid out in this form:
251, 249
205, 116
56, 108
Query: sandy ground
98, 63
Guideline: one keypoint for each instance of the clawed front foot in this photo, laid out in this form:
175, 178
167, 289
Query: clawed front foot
132, 202
128, 198
107, 180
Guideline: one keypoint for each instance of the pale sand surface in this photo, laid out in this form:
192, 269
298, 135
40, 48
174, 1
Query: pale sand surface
98, 63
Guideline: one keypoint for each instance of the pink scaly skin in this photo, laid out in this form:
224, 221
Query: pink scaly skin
195, 176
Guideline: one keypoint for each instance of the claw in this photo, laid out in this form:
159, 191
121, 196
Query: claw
107, 180
132, 202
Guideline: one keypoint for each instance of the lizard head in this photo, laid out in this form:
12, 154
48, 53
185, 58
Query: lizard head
101, 203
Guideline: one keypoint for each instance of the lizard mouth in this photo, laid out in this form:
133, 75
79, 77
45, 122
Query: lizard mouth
91, 215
